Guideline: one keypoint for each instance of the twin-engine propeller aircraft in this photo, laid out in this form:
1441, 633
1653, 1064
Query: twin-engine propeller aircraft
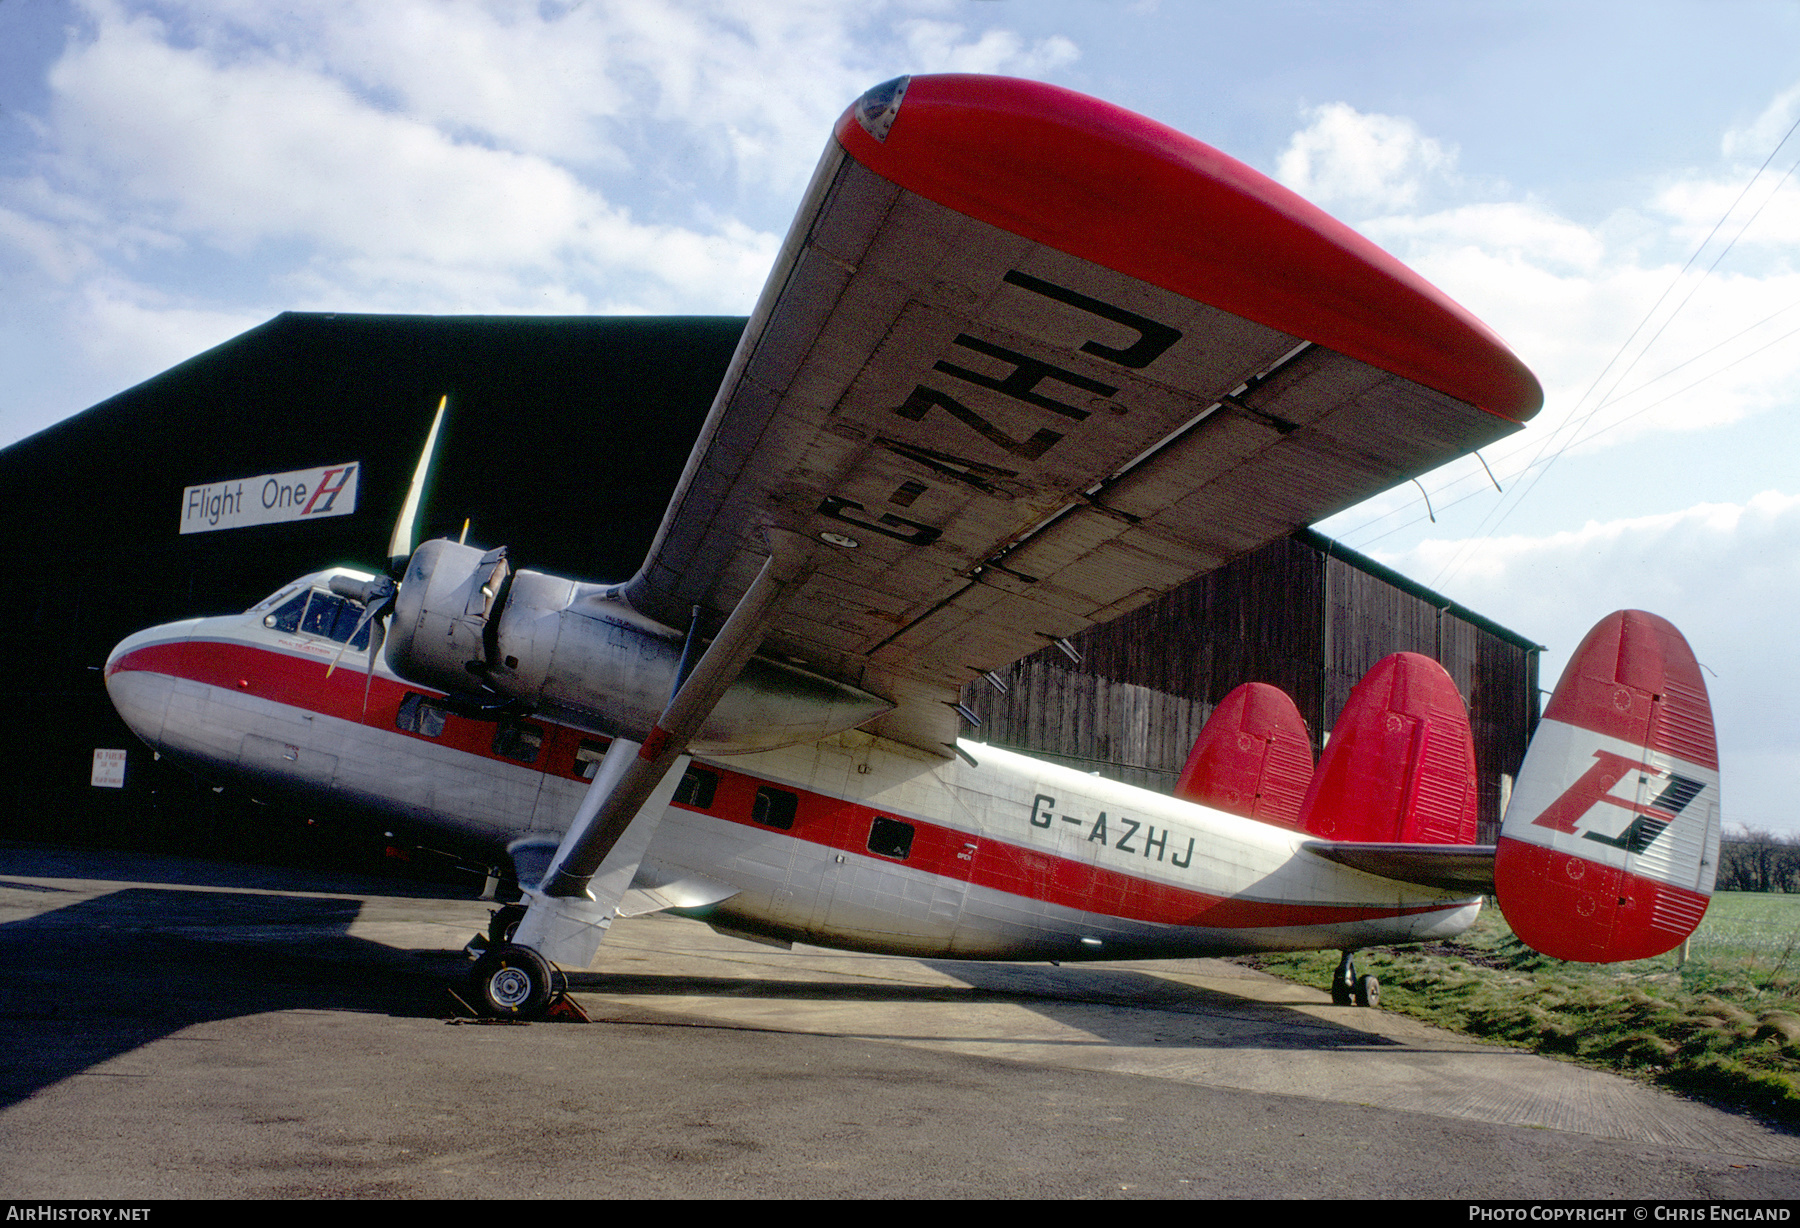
1024, 362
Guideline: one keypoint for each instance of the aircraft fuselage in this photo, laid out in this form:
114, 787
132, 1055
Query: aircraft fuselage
851, 841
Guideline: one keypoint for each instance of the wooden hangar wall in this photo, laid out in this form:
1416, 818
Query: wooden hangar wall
1305, 614
564, 439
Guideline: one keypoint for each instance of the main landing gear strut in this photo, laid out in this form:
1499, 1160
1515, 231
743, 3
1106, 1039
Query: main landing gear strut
1347, 987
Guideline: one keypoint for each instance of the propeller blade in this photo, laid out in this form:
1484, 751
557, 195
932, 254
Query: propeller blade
377, 597
368, 614
406, 530
377, 635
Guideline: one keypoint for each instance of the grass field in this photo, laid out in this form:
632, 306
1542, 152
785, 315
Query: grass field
1724, 1025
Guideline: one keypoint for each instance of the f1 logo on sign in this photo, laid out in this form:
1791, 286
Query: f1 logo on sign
270, 498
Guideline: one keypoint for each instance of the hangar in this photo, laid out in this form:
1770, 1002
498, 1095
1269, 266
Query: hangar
565, 438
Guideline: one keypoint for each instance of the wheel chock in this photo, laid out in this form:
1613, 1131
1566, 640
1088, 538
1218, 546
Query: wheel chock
566, 1009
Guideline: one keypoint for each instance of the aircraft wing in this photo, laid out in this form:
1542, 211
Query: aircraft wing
1026, 361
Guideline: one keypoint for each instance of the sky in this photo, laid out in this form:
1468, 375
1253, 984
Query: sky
1610, 187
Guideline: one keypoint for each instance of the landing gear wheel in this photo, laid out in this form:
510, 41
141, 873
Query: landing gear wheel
1368, 991
513, 982
504, 924
1343, 981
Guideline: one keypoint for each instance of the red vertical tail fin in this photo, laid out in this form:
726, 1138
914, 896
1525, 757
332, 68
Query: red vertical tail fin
1400, 763
1611, 841
1253, 758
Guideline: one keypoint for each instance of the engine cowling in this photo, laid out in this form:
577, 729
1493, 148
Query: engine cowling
464, 622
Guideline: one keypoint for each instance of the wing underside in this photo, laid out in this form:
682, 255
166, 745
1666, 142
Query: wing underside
988, 440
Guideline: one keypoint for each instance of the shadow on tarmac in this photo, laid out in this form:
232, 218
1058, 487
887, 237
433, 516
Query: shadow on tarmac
102, 976
105, 974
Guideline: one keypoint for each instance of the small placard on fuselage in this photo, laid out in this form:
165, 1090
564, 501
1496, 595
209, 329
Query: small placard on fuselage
270, 498
109, 769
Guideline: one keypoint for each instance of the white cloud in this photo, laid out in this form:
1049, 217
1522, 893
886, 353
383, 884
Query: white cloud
261, 151
1752, 142
1511, 230
1366, 164
1765, 220
221, 160
1569, 297
1727, 575
939, 46
137, 333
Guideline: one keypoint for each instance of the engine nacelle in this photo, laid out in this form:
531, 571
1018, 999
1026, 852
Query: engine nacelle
438, 633
466, 623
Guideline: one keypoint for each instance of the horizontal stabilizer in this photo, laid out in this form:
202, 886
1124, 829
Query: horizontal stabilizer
1452, 867
1611, 842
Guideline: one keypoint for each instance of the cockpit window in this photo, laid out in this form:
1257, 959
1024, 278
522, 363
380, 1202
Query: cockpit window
317, 612
287, 618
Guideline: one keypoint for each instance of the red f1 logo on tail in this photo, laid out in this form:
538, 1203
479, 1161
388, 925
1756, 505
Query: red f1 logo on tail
1595, 786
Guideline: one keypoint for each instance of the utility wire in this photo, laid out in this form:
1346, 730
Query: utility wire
1574, 427
1366, 542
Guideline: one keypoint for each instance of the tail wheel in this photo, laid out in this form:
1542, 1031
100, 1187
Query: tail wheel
1368, 991
513, 982
1343, 981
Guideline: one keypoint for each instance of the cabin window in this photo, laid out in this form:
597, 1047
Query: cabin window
890, 838
775, 808
517, 740
419, 715
697, 787
587, 759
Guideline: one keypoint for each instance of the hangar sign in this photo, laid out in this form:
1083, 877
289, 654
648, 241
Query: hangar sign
270, 498
109, 769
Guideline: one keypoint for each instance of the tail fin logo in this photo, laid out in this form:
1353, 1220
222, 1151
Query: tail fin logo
1595, 786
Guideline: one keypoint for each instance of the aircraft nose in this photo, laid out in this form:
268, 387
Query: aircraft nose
139, 682
130, 645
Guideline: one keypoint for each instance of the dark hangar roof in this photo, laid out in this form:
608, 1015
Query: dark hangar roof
564, 437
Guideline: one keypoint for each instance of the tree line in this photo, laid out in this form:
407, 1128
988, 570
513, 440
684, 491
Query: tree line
1757, 860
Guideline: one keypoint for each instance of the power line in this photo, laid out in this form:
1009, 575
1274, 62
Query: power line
1361, 543
1574, 427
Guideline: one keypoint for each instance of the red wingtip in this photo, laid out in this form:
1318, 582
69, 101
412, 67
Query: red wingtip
1130, 194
